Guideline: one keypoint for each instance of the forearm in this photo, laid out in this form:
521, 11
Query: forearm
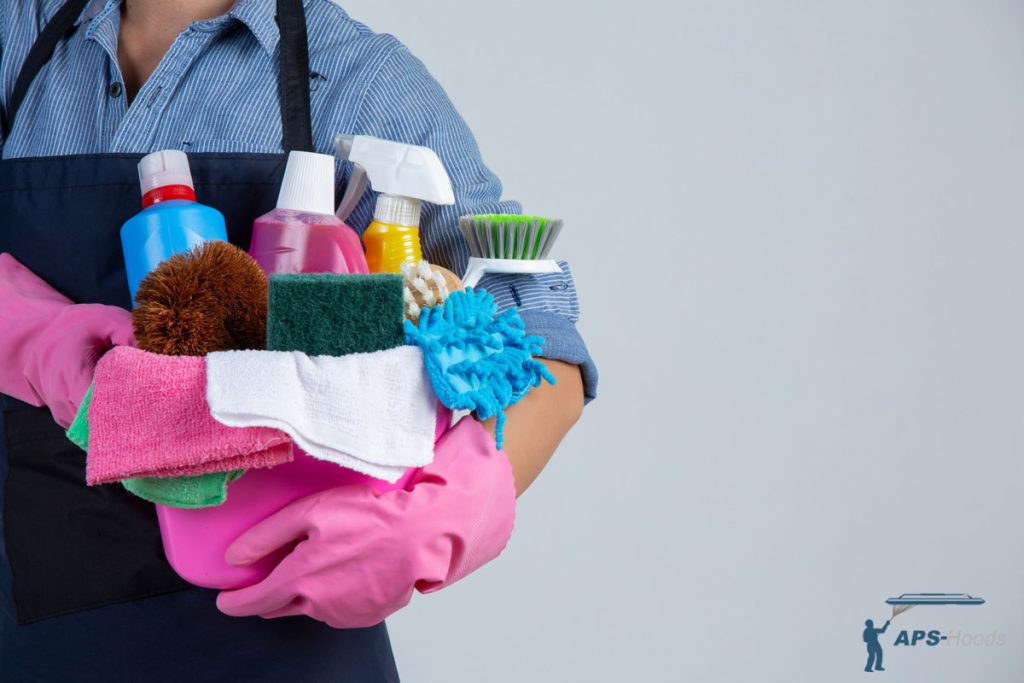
538, 423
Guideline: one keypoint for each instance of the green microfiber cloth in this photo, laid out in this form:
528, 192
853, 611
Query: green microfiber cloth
78, 432
201, 491
325, 314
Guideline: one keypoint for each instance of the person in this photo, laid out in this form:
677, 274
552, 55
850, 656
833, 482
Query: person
90, 86
874, 648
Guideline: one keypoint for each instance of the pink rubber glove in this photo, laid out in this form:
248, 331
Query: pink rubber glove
49, 345
360, 554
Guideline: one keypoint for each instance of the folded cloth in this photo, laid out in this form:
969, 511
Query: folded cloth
371, 412
201, 491
78, 432
149, 418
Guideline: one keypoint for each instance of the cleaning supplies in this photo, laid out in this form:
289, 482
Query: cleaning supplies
195, 540
478, 359
404, 176
426, 286
370, 412
303, 234
333, 315
149, 418
508, 243
211, 298
171, 221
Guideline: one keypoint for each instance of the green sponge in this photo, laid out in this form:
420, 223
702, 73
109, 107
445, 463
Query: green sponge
324, 314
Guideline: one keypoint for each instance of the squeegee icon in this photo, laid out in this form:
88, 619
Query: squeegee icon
907, 600
935, 599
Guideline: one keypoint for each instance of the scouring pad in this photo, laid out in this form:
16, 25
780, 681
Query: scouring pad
324, 314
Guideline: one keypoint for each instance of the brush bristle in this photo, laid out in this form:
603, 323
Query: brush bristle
213, 298
510, 236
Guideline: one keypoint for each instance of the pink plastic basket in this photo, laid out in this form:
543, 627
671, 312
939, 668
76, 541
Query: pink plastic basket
195, 540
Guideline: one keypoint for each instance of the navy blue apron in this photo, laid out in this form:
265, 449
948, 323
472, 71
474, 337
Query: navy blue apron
86, 593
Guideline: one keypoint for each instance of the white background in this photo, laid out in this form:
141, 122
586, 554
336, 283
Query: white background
798, 234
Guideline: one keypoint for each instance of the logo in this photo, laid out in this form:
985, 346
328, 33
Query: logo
914, 638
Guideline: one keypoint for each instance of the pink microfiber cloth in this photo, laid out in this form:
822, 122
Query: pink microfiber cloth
149, 418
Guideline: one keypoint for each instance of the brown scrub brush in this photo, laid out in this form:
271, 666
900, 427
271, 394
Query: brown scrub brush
212, 298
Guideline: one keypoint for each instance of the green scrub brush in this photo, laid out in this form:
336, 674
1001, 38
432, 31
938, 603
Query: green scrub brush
509, 243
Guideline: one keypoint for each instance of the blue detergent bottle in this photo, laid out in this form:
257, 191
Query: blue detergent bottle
171, 220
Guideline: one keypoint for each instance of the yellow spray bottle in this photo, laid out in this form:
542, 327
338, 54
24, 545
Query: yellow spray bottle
404, 176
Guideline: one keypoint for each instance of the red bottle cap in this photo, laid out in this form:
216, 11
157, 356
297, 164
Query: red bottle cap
166, 192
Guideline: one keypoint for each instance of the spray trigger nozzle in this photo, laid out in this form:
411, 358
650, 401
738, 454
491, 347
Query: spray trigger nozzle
392, 168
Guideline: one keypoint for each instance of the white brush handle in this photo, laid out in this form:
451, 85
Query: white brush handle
478, 267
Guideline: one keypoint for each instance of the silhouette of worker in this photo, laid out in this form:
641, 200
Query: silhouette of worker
874, 648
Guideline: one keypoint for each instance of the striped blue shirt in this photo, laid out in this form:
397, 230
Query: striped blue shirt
216, 91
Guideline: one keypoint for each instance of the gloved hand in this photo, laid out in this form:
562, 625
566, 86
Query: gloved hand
360, 554
49, 344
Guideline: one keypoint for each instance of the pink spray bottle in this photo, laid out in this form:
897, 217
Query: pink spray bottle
302, 235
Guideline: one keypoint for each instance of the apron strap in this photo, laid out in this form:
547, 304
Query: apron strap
40, 54
293, 78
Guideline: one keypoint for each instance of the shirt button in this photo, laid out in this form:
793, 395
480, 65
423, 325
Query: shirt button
116, 89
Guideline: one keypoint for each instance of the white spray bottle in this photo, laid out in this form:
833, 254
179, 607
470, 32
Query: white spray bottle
404, 176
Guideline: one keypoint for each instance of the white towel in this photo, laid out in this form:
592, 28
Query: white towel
371, 412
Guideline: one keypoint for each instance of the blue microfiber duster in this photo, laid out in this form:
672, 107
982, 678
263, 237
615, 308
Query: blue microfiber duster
478, 359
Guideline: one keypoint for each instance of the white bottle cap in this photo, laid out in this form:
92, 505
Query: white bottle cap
164, 168
308, 183
394, 210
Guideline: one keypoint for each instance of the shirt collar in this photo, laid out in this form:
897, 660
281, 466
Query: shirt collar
51, 7
260, 16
